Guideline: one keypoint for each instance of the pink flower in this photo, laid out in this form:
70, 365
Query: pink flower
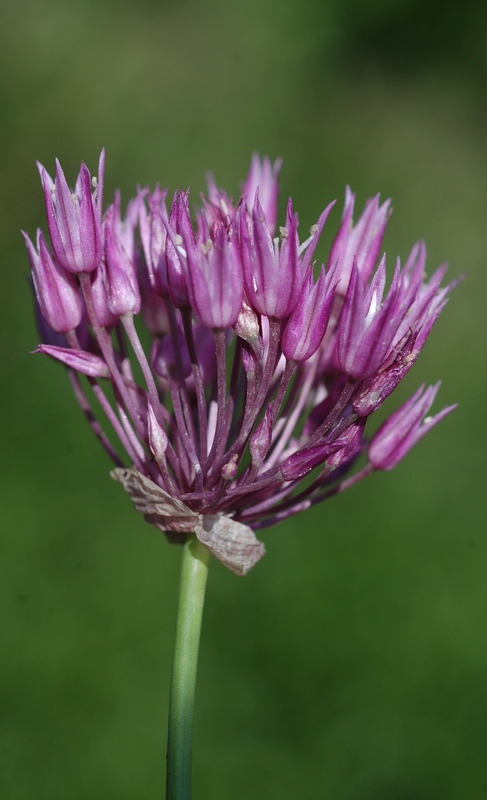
74, 218
405, 428
56, 290
243, 375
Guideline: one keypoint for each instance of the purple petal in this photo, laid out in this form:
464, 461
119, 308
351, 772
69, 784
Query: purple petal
404, 429
79, 360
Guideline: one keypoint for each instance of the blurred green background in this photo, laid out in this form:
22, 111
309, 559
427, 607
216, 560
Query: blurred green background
352, 663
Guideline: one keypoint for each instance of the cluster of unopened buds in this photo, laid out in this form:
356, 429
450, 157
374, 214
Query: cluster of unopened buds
237, 377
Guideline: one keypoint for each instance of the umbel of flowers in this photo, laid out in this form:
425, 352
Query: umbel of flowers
237, 377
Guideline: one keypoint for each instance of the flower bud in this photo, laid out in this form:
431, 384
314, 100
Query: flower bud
56, 290
156, 434
262, 438
74, 218
123, 294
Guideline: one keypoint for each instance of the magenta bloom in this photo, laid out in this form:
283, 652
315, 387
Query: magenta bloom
404, 429
74, 218
56, 290
214, 275
306, 326
360, 243
121, 285
256, 371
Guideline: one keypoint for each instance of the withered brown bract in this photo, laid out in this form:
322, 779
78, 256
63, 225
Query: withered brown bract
165, 512
231, 542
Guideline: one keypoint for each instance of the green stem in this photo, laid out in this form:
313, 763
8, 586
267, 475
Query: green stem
194, 570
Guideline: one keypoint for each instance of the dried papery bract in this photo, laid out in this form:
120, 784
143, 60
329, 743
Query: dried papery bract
247, 398
232, 543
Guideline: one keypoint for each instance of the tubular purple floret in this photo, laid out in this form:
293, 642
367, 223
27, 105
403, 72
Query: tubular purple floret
360, 243
100, 297
374, 348
352, 322
404, 428
214, 276
178, 225
153, 236
56, 290
122, 288
370, 330
305, 328
273, 276
73, 219
259, 261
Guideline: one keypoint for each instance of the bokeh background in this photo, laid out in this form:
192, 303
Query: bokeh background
352, 663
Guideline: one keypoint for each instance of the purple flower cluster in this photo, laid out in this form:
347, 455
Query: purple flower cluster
241, 393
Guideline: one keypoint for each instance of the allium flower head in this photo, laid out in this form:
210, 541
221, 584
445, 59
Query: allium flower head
258, 376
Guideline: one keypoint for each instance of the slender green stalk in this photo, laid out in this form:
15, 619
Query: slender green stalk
194, 570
